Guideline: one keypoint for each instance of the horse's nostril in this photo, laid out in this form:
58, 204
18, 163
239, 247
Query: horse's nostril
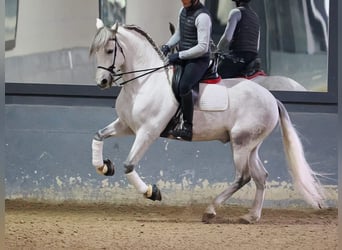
104, 81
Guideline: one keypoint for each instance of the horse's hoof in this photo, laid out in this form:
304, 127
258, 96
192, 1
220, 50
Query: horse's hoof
156, 194
110, 167
208, 218
248, 219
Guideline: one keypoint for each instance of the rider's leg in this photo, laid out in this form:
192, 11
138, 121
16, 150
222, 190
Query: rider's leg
228, 69
193, 72
187, 107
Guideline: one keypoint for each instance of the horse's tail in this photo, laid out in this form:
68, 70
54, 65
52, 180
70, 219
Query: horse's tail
305, 179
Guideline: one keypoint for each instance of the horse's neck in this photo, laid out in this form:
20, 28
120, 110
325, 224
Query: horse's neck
139, 53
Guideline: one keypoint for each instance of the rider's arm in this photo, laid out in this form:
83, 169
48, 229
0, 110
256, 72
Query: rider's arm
233, 19
174, 39
203, 24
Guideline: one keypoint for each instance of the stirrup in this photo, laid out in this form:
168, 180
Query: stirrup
182, 134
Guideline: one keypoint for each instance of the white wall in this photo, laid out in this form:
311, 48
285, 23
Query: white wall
53, 37
153, 16
71, 23
63, 24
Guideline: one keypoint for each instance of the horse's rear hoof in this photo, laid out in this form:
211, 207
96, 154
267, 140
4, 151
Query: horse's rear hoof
110, 167
248, 219
156, 194
208, 218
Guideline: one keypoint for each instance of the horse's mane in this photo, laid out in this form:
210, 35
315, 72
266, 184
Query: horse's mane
147, 36
101, 38
105, 34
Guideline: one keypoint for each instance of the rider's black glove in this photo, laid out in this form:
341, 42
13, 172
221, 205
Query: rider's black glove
165, 49
174, 58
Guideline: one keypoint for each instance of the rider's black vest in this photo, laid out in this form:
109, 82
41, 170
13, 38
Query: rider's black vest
188, 30
246, 34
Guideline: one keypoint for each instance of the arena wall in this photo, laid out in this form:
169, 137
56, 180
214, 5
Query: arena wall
48, 157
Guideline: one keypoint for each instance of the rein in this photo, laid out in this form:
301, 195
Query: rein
149, 71
119, 76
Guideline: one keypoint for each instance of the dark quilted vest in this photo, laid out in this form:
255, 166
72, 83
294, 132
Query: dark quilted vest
246, 34
188, 30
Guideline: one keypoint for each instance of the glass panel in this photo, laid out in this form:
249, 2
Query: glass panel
53, 37
113, 11
52, 41
11, 14
294, 37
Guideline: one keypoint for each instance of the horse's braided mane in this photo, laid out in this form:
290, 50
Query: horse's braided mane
147, 36
104, 34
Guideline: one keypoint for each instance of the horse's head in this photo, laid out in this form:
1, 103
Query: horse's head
109, 54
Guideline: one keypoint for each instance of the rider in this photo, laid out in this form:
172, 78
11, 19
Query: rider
192, 37
239, 43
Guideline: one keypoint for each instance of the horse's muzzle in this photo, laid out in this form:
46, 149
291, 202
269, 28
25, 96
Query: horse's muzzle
104, 84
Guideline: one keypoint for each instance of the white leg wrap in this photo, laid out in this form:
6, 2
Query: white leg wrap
210, 209
97, 159
134, 179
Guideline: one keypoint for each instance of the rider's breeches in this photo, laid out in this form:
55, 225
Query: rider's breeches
193, 72
234, 64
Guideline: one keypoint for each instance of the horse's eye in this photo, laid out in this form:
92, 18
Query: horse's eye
110, 51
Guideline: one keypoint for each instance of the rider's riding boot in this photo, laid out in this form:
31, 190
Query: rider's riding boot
187, 106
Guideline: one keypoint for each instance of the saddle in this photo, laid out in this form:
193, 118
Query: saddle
253, 69
210, 77
203, 92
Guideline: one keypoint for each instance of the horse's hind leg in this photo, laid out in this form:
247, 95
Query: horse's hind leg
259, 175
242, 176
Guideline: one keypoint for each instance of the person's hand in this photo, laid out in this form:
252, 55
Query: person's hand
174, 58
165, 49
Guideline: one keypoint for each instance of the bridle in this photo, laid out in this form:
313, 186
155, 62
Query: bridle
112, 67
118, 76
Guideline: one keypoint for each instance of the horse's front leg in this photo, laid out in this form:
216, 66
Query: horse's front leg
116, 128
142, 142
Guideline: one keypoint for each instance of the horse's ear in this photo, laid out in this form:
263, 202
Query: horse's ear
99, 23
172, 28
115, 27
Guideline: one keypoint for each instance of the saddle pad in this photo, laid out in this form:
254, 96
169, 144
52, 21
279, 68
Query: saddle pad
212, 97
212, 80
